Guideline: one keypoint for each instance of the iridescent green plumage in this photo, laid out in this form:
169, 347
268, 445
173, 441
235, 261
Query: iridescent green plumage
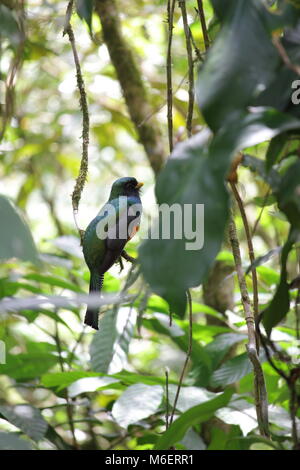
101, 253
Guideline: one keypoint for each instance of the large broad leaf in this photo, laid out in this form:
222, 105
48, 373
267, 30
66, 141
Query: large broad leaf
10, 441
137, 402
9, 25
288, 194
232, 371
280, 303
131, 378
110, 344
95, 380
239, 412
221, 345
27, 366
61, 380
189, 397
240, 64
244, 443
195, 174
192, 441
27, 418
196, 414
84, 10
15, 237
53, 281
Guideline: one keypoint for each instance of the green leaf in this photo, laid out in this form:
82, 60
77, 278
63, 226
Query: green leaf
196, 414
197, 169
264, 201
268, 275
53, 281
15, 237
257, 165
192, 441
10, 441
9, 25
131, 378
92, 384
221, 345
167, 264
280, 303
137, 402
232, 371
189, 397
84, 10
263, 259
244, 443
288, 194
275, 148
27, 366
219, 437
240, 64
27, 418
239, 412
62, 380
110, 344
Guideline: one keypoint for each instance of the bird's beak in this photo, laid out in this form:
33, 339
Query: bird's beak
139, 185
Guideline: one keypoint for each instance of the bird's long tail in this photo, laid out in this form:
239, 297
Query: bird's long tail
92, 316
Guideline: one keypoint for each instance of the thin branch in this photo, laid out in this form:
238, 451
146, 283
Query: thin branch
78, 341
160, 107
189, 50
260, 392
198, 57
83, 170
203, 24
188, 355
171, 7
284, 56
250, 250
167, 398
69, 408
14, 68
261, 212
291, 381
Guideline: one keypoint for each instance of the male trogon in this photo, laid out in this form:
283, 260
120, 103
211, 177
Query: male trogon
108, 233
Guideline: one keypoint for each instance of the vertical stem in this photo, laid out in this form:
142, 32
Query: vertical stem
261, 401
69, 408
83, 170
203, 24
188, 354
171, 6
250, 250
167, 399
188, 41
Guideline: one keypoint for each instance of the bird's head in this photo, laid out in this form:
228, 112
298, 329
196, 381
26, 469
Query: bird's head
126, 186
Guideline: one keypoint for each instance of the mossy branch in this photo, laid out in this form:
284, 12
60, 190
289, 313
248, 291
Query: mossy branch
131, 82
83, 169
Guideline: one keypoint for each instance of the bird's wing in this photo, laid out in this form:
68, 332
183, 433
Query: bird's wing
108, 233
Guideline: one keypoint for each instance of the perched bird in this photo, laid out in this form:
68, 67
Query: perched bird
107, 234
